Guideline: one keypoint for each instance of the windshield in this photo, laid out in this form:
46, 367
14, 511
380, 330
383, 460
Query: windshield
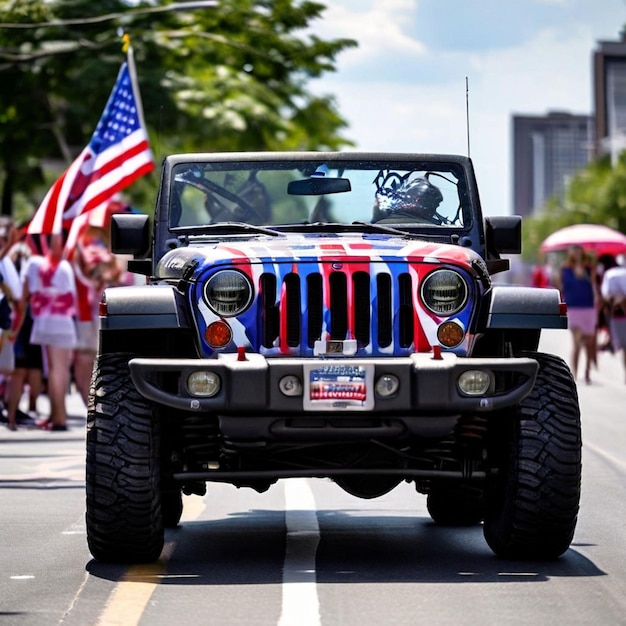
281, 193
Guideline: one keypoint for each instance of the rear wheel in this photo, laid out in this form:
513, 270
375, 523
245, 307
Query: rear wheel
124, 519
532, 506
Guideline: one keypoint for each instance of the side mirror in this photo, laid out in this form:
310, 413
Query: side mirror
130, 234
503, 235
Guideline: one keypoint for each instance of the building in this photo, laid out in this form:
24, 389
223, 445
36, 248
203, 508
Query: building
609, 92
547, 151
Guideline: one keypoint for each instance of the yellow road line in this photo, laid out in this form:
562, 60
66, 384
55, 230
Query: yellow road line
131, 595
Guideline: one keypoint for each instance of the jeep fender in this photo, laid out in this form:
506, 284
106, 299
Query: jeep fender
516, 307
143, 307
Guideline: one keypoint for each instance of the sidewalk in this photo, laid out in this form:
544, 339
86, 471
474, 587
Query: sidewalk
610, 368
76, 417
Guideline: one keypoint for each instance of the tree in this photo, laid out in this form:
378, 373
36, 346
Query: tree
596, 195
232, 77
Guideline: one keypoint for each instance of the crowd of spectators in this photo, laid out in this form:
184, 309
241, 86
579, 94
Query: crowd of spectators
49, 297
594, 289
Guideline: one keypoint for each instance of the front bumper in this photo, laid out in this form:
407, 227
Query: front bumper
427, 385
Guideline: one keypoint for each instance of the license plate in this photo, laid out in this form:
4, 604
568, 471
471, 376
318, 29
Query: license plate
338, 387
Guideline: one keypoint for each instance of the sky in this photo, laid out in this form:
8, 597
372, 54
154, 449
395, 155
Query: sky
403, 89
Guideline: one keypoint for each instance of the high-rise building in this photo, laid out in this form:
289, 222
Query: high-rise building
547, 151
609, 89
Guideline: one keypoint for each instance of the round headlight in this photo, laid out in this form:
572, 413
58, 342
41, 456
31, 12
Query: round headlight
444, 292
228, 293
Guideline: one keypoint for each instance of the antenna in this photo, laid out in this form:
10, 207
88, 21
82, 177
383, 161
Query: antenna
467, 115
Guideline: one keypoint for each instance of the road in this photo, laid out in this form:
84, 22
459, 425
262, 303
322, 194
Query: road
306, 553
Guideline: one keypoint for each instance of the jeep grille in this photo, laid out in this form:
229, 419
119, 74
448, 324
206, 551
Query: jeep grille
354, 305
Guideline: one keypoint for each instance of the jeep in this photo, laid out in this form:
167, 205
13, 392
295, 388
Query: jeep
328, 315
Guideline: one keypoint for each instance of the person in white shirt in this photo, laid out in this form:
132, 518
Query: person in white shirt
50, 289
613, 291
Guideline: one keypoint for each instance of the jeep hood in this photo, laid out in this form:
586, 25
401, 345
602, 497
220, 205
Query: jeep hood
192, 260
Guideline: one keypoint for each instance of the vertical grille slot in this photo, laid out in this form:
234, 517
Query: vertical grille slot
269, 310
406, 311
338, 306
292, 314
315, 302
361, 307
385, 311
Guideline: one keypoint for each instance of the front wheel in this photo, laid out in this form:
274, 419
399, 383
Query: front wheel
532, 505
124, 519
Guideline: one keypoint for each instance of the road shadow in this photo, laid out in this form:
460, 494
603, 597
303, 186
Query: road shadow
355, 547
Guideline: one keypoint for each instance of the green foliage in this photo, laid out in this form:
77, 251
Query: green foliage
232, 77
596, 195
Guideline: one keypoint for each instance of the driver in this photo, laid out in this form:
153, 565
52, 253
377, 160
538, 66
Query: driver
412, 201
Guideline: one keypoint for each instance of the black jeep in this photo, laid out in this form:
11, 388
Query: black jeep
328, 314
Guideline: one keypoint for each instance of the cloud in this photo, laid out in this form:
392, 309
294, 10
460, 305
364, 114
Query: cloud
403, 89
377, 26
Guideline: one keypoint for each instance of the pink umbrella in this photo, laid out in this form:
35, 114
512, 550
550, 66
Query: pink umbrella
594, 237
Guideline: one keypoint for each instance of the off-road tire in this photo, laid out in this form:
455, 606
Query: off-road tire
532, 506
123, 517
453, 504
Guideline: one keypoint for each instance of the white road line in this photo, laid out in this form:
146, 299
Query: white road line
300, 606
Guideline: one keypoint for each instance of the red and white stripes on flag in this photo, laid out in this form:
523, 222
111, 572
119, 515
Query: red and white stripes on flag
117, 154
100, 217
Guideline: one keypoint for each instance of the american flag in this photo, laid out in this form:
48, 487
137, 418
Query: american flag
117, 154
100, 217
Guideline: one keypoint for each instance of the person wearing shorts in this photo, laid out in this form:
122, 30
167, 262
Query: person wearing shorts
95, 268
613, 291
579, 290
28, 371
50, 290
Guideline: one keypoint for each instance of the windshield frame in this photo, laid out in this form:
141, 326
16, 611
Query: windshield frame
308, 163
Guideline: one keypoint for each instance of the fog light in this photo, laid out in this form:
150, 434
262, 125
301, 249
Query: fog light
218, 334
474, 382
450, 334
290, 385
205, 384
387, 385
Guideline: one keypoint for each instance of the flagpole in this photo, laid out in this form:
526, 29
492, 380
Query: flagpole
132, 72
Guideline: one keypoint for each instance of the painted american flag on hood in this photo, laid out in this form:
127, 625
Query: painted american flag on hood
117, 154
